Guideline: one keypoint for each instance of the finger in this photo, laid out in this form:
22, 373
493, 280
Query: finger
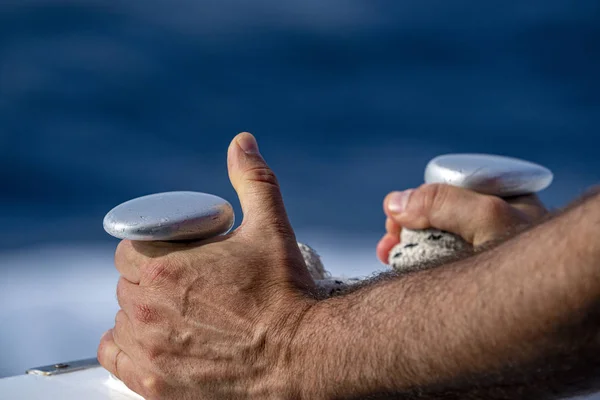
135, 301
530, 205
477, 218
117, 362
385, 245
256, 186
128, 261
392, 227
131, 257
123, 334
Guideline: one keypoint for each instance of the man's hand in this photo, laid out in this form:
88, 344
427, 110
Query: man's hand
215, 319
477, 218
518, 321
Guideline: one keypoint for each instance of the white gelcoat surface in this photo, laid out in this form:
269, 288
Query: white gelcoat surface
90, 384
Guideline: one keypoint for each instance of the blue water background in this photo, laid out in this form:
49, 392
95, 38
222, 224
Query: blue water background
104, 101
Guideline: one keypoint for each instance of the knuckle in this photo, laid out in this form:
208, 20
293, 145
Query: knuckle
119, 326
101, 357
530, 207
160, 272
101, 353
153, 352
153, 387
123, 248
262, 174
179, 339
120, 318
145, 313
495, 208
430, 197
121, 290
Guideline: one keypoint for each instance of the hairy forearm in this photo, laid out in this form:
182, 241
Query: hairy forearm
522, 313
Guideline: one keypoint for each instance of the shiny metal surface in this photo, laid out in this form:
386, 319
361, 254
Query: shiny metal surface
170, 216
489, 174
63, 368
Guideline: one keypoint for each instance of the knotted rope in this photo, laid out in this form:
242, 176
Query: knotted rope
417, 250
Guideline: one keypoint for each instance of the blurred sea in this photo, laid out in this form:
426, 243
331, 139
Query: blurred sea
104, 101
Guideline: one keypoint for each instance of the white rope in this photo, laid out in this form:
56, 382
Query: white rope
417, 250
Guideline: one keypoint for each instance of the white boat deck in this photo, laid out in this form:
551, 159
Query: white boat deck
89, 384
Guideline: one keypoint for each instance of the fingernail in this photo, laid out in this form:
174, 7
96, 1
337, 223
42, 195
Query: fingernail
398, 201
248, 143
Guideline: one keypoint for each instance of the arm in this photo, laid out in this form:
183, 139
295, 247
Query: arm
235, 316
518, 321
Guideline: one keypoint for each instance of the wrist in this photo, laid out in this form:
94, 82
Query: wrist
325, 352
290, 371
308, 373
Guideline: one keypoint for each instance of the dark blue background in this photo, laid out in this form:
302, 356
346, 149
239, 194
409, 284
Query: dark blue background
103, 101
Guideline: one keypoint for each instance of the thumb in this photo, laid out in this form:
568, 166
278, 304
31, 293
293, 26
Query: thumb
256, 186
477, 218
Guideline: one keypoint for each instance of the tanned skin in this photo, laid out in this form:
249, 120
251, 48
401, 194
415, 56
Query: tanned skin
517, 321
236, 317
